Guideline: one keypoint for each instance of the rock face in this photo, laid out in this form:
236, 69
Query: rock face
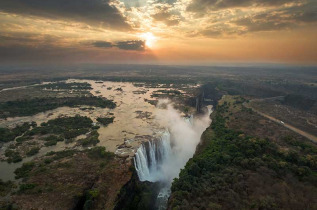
137, 195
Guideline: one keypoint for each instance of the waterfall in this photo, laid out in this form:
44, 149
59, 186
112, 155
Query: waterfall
161, 159
150, 156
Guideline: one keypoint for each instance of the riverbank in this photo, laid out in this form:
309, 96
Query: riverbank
247, 162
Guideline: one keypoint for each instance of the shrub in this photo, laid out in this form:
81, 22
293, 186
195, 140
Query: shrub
61, 154
105, 120
24, 170
99, 152
33, 151
26, 187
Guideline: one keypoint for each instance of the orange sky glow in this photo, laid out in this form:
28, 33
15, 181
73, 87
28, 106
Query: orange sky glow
158, 31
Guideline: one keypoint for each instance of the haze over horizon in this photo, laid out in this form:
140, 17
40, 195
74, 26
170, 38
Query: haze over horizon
158, 32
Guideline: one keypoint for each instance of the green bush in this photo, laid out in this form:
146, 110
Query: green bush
105, 120
99, 152
25, 187
24, 170
92, 139
61, 154
33, 151
6, 187
13, 156
7, 134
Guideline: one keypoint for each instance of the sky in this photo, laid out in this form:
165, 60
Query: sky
158, 31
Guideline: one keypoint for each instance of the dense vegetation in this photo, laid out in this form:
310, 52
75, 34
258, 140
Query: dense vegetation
24, 171
234, 171
33, 106
99, 152
63, 127
91, 139
13, 156
7, 134
60, 154
299, 102
105, 120
51, 132
52, 140
33, 151
70, 86
5, 187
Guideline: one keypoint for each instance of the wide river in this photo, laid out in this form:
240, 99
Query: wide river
134, 121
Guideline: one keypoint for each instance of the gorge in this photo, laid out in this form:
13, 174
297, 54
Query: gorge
161, 159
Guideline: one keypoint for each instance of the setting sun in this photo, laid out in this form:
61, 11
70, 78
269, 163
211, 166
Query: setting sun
150, 39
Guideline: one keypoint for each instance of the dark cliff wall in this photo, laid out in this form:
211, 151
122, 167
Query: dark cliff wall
136, 195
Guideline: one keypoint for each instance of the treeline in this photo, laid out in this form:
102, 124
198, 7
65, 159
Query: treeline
256, 87
69, 86
7, 134
299, 102
29, 107
231, 171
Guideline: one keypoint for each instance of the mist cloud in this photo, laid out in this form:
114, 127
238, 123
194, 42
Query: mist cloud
185, 136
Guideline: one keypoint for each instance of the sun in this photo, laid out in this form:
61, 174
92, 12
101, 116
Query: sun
150, 39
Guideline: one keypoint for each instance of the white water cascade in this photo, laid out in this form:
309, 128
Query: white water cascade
150, 156
161, 160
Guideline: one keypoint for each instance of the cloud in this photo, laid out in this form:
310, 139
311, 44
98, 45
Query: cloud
214, 33
164, 15
28, 39
138, 45
306, 13
310, 16
228, 23
93, 12
18, 54
166, 1
264, 22
201, 6
102, 44
280, 19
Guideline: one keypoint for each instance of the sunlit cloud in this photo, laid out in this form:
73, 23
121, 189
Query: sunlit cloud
171, 29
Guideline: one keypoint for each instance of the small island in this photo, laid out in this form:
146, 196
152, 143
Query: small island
105, 120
